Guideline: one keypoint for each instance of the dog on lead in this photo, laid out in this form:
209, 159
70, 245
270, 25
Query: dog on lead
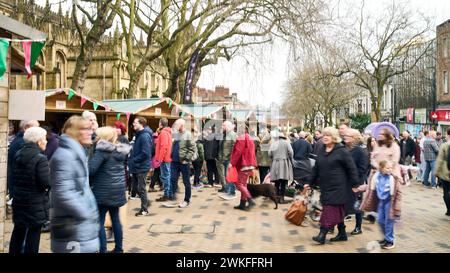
266, 190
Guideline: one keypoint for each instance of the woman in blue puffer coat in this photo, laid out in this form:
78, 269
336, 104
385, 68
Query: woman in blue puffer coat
109, 186
74, 219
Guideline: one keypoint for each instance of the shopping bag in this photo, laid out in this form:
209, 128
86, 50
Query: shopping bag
232, 175
296, 213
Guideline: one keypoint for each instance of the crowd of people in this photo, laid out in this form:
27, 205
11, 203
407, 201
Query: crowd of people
75, 181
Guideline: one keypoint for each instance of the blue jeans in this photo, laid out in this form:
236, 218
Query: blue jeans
116, 226
175, 169
165, 178
429, 168
230, 188
386, 224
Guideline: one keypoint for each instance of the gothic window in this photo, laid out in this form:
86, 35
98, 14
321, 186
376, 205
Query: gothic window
60, 70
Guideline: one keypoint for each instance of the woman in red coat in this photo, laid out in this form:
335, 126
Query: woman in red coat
244, 159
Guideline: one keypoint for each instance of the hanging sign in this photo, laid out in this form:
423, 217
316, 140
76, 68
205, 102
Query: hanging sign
158, 111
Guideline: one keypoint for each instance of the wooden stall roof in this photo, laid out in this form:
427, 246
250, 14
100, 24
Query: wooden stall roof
74, 104
143, 107
203, 111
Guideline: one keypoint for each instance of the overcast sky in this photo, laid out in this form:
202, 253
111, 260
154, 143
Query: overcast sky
263, 85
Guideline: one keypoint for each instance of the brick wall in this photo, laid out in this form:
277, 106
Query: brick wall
443, 63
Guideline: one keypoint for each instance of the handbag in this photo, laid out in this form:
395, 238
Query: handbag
232, 175
296, 213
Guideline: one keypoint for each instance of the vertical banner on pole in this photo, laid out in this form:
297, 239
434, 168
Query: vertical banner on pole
190, 78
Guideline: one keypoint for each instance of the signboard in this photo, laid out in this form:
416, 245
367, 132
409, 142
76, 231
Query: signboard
26, 105
443, 115
158, 111
60, 104
410, 115
420, 116
402, 113
433, 115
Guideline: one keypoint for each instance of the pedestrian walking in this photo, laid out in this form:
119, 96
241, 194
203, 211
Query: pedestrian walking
156, 165
430, 151
243, 158
74, 218
334, 172
30, 205
198, 163
223, 160
211, 150
353, 142
107, 168
383, 197
301, 162
163, 153
140, 162
183, 151
408, 149
281, 172
262, 146
443, 170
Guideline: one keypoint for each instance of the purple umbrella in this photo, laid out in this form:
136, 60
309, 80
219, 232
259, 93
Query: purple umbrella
385, 125
369, 129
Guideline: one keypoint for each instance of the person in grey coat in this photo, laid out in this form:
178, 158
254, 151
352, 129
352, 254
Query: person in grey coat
107, 167
281, 169
74, 218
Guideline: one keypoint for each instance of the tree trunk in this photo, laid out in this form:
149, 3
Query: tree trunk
83, 62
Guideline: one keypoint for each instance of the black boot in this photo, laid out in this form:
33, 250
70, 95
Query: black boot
242, 205
322, 236
342, 235
251, 203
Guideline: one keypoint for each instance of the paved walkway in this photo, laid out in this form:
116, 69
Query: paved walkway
210, 224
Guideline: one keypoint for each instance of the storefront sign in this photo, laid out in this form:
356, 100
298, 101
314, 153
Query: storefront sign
410, 115
158, 111
443, 115
60, 104
420, 116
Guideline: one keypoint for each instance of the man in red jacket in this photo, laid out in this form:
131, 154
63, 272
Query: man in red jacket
162, 153
244, 159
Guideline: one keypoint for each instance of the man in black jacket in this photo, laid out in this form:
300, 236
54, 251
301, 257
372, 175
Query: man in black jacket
211, 150
408, 148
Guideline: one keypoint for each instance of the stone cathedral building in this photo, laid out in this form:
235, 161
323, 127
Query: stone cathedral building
107, 75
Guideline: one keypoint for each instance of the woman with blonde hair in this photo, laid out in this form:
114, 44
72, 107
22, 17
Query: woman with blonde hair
334, 172
109, 186
74, 216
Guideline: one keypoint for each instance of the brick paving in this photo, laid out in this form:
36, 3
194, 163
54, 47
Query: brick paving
211, 225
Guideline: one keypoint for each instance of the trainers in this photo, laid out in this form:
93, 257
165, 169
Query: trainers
347, 218
162, 199
388, 245
382, 242
184, 204
356, 231
227, 196
133, 197
142, 213
221, 190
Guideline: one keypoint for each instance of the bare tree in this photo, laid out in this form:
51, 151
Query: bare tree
377, 49
241, 24
314, 90
100, 20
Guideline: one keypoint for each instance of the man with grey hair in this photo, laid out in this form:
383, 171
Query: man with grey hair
15, 146
183, 151
226, 145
